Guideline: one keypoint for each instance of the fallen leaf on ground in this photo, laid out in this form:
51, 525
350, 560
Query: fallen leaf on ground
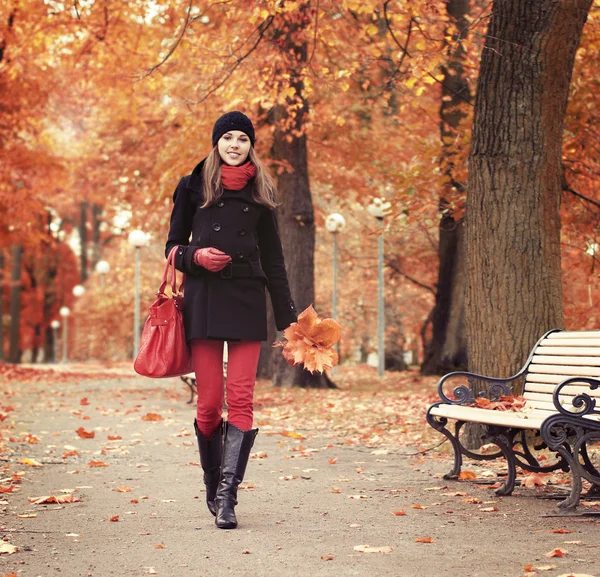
424, 540
467, 475
84, 401
60, 499
327, 557
488, 509
97, 464
7, 549
419, 506
31, 463
124, 489
556, 553
114, 437
369, 549
114, 519
332, 461
561, 531
85, 434
398, 513
7, 488
152, 417
27, 516
292, 435
160, 546
68, 454
535, 479
357, 497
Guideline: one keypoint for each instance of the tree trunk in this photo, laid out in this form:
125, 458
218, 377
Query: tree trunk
14, 353
83, 237
514, 289
96, 245
447, 349
296, 213
2, 357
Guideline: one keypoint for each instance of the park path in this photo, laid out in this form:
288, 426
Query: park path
306, 505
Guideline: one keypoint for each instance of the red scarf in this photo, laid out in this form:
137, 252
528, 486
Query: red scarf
236, 177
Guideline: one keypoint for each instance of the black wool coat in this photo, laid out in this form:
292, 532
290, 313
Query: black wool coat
229, 304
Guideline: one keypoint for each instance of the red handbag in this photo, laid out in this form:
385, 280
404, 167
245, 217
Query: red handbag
164, 352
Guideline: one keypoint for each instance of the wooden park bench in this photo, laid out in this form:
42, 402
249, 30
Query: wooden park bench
560, 382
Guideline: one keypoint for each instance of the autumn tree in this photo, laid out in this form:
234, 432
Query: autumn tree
514, 291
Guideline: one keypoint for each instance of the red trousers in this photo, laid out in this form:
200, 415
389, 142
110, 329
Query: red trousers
242, 363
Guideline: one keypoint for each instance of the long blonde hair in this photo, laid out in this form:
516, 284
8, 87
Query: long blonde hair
265, 191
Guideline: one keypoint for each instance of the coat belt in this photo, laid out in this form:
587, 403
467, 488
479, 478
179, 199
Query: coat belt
237, 270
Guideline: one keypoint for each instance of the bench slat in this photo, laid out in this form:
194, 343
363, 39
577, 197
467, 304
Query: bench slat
567, 351
544, 402
574, 342
569, 391
573, 334
545, 378
566, 371
565, 360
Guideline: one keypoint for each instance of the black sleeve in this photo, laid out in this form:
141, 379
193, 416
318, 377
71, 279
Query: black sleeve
271, 258
182, 217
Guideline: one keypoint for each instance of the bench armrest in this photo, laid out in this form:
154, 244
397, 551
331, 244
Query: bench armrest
584, 403
463, 394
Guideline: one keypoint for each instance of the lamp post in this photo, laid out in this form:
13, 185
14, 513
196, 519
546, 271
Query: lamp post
379, 208
137, 239
54, 325
102, 267
64, 312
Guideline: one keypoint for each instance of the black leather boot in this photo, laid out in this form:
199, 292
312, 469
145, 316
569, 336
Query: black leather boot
236, 452
211, 453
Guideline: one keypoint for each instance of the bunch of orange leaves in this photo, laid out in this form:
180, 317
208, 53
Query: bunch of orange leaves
311, 341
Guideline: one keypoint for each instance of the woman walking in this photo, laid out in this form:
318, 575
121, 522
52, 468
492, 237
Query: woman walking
234, 252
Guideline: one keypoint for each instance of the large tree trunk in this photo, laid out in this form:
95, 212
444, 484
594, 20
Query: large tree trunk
14, 353
2, 357
296, 213
513, 228
447, 349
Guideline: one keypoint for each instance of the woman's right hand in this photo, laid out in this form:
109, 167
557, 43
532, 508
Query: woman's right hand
211, 258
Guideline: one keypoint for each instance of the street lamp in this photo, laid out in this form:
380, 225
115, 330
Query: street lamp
102, 267
335, 223
54, 325
78, 290
379, 208
64, 312
137, 239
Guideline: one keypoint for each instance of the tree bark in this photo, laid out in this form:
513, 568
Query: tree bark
2, 356
514, 291
296, 213
14, 353
446, 351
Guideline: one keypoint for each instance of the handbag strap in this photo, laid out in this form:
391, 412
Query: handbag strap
170, 264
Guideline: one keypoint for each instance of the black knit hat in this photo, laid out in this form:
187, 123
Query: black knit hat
233, 121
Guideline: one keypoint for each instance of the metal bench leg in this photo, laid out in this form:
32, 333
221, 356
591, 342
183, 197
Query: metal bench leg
499, 438
571, 502
439, 424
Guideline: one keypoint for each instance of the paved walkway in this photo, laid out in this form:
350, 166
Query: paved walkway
307, 508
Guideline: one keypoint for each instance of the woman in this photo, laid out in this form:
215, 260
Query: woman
234, 252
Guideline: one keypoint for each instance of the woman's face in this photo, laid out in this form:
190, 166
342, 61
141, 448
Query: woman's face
234, 147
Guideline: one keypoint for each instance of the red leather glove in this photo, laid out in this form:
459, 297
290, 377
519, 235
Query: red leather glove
211, 259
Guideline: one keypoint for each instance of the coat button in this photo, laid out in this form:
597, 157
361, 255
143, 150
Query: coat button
242, 232
240, 255
216, 227
245, 208
291, 305
220, 204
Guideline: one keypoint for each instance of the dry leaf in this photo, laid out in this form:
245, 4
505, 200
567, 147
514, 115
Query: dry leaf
292, 435
327, 557
114, 519
369, 549
424, 540
488, 509
31, 463
152, 417
160, 546
68, 454
97, 464
114, 437
27, 516
535, 479
398, 513
467, 475
85, 434
310, 341
419, 506
556, 553
7, 549
124, 489
60, 499
332, 461
561, 531
84, 401
7, 488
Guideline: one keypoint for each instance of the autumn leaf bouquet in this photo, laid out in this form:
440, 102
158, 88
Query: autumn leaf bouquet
310, 341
